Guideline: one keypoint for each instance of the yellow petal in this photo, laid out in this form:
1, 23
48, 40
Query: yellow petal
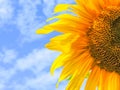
59, 47
61, 7
112, 2
45, 30
72, 64
102, 80
62, 42
79, 75
96, 5
115, 82
86, 7
112, 82
59, 61
93, 79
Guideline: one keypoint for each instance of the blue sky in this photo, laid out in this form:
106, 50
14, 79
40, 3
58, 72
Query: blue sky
24, 62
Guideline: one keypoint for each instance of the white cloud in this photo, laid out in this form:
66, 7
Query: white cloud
5, 76
8, 55
27, 20
42, 82
37, 59
6, 11
48, 9
32, 2
45, 82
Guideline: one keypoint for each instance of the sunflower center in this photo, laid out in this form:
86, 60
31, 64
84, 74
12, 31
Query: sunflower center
104, 37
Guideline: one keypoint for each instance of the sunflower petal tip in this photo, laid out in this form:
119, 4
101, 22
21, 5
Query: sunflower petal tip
43, 31
40, 31
49, 19
57, 84
61, 7
52, 71
37, 32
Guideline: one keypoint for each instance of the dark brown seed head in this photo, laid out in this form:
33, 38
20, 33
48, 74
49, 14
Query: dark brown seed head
104, 39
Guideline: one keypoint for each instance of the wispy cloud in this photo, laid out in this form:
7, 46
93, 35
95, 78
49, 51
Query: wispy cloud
37, 63
28, 20
8, 55
6, 11
48, 9
37, 59
45, 81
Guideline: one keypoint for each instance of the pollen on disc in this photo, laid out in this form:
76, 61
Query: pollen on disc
104, 39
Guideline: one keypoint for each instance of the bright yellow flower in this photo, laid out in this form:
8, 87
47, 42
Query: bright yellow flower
90, 43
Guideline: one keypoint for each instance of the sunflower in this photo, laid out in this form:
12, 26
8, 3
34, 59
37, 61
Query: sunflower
89, 42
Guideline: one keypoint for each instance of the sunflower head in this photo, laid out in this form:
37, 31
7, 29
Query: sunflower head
90, 43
